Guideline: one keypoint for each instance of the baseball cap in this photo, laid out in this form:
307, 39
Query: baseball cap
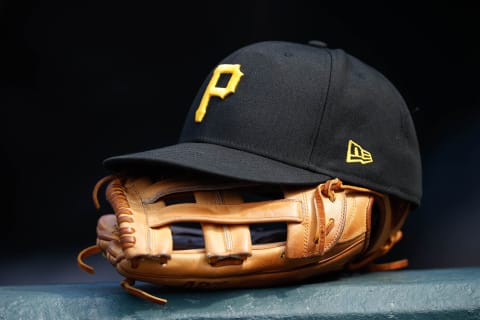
280, 112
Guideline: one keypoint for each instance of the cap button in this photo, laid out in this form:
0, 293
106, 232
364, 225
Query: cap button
318, 43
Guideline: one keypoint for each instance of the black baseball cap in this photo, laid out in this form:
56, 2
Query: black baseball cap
297, 114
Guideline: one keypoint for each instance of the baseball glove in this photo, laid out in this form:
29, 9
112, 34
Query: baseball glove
213, 233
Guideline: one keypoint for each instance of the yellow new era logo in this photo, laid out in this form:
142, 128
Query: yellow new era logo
356, 154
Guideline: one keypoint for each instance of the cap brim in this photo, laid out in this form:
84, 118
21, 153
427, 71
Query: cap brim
217, 160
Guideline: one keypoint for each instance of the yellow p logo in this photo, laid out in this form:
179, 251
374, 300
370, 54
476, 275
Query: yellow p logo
212, 89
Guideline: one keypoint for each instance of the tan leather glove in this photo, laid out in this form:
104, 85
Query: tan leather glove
211, 233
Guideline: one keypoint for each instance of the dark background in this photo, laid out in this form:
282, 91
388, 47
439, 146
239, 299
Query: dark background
84, 80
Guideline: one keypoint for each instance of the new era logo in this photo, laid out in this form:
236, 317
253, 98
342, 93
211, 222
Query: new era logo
356, 154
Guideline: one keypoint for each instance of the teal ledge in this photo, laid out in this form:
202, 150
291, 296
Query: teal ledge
407, 294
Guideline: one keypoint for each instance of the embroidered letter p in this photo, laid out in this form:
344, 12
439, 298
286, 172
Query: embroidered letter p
213, 90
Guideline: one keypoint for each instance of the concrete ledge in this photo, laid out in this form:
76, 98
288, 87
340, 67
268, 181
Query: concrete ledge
407, 294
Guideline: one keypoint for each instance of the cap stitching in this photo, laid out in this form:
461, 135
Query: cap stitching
247, 147
325, 103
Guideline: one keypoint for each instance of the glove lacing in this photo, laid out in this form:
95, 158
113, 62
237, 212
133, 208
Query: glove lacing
328, 190
126, 284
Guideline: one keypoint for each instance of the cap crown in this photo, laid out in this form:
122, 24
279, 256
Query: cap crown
318, 109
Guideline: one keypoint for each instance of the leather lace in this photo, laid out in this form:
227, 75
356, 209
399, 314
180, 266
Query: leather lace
328, 189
